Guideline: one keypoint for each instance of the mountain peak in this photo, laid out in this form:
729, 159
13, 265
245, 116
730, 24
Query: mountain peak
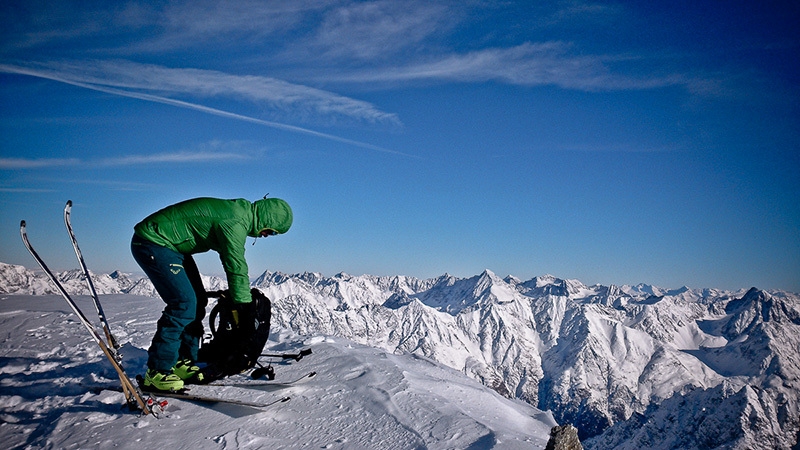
544, 280
489, 273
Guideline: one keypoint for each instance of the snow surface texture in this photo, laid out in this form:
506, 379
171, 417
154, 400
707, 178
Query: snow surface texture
57, 391
630, 366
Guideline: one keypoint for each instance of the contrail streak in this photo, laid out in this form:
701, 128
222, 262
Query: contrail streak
196, 107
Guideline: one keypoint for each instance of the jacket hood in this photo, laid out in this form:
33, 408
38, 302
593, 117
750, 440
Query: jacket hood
271, 213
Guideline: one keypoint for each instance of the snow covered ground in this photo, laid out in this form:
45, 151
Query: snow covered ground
57, 390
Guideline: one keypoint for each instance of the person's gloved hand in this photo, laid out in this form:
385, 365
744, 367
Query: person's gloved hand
244, 317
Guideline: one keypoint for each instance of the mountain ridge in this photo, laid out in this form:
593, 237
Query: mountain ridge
607, 359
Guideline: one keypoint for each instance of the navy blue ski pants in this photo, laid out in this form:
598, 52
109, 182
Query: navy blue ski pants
177, 280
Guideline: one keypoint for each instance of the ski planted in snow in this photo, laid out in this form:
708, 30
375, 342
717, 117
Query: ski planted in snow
92, 291
133, 394
110, 339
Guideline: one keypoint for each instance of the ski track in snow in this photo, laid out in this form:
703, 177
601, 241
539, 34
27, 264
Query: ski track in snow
57, 390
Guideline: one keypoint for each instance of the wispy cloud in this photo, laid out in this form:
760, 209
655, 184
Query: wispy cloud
377, 30
168, 82
93, 83
36, 163
126, 160
529, 64
581, 13
112, 184
397, 43
214, 151
158, 26
179, 157
373, 42
25, 190
192, 23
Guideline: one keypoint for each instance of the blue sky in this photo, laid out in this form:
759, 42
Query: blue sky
612, 142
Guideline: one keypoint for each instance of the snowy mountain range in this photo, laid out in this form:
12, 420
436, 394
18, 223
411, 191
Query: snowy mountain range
629, 366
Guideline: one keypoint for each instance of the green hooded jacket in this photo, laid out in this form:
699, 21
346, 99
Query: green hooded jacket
203, 224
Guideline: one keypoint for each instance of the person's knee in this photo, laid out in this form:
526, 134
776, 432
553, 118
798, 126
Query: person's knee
178, 316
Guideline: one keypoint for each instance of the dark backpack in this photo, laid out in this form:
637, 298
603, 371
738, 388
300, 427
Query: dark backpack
230, 351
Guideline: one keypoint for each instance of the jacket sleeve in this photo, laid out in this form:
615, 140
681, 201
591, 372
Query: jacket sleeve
232, 237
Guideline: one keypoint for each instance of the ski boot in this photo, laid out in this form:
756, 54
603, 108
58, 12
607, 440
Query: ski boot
189, 372
155, 380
